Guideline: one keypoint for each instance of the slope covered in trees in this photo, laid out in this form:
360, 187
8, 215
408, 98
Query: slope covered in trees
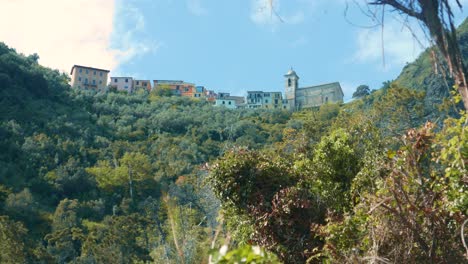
91, 177
109, 177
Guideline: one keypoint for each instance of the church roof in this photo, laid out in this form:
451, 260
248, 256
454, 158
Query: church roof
335, 85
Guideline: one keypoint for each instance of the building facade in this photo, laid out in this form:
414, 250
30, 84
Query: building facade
267, 100
200, 92
311, 96
122, 83
210, 96
142, 85
177, 88
228, 101
83, 77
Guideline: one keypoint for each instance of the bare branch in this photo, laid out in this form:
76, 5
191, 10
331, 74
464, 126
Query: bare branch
399, 7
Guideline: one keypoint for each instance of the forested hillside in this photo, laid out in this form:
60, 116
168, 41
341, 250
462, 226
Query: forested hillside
111, 177
90, 177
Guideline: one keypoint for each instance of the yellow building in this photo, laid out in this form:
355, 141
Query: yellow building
142, 85
83, 77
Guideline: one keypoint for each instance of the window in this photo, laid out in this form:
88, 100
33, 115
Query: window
100, 74
79, 79
224, 102
94, 72
94, 81
100, 82
229, 102
266, 101
326, 99
86, 71
126, 87
276, 101
115, 80
177, 87
289, 82
126, 80
138, 83
81, 70
144, 84
86, 80
186, 89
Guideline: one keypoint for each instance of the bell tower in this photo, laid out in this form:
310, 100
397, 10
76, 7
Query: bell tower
292, 84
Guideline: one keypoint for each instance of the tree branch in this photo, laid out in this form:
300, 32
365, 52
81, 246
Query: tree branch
400, 7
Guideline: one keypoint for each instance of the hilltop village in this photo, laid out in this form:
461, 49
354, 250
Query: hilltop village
83, 77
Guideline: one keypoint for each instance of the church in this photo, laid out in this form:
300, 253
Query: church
311, 96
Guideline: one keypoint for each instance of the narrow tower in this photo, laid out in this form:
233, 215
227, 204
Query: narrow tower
292, 83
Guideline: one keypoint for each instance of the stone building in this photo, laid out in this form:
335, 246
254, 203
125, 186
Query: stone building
83, 77
310, 96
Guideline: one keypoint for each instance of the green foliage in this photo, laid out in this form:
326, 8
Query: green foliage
414, 212
334, 165
12, 246
245, 254
76, 165
361, 90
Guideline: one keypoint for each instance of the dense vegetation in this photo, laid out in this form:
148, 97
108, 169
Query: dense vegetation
90, 177
109, 177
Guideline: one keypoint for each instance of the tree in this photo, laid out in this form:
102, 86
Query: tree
361, 90
132, 168
12, 246
436, 18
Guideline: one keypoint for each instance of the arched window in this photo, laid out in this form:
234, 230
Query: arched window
289, 81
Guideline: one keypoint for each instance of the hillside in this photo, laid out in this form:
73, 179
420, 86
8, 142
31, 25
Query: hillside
76, 166
420, 75
90, 177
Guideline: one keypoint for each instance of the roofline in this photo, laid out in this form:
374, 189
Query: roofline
121, 77
318, 86
174, 82
86, 67
168, 81
262, 92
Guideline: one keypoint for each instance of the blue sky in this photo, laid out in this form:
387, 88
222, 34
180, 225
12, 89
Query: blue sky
226, 45
236, 46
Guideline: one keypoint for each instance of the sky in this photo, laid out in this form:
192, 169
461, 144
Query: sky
225, 45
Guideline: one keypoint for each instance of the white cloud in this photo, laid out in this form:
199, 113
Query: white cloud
399, 44
68, 32
62, 32
130, 38
195, 7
